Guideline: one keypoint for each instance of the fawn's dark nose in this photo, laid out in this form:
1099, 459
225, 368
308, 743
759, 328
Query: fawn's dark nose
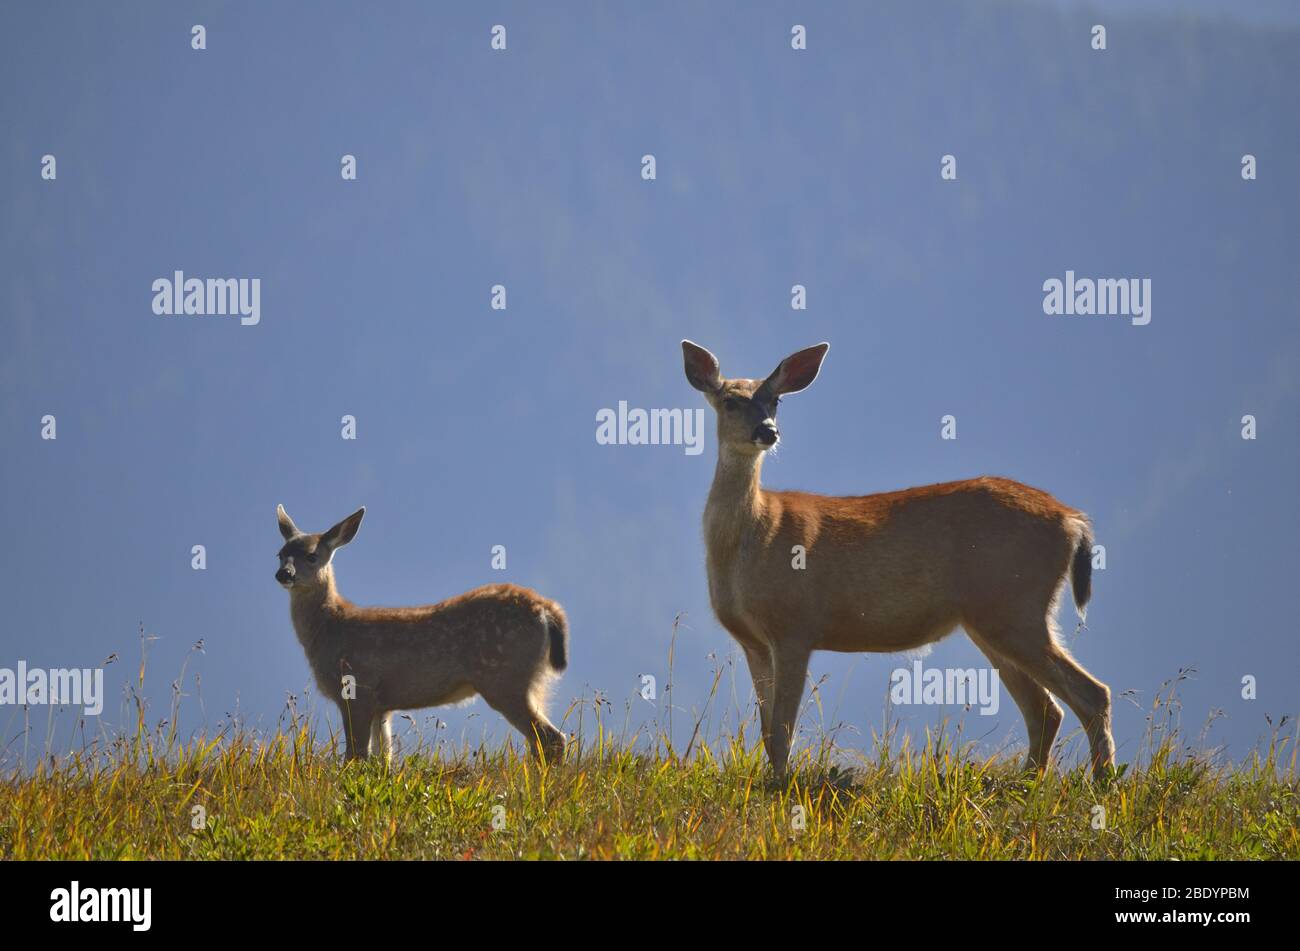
766, 433
284, 576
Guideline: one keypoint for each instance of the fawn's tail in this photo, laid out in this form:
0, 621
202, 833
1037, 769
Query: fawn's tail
557, 630
1081, 571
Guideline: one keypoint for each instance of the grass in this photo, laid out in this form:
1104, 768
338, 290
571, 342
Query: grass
289, 795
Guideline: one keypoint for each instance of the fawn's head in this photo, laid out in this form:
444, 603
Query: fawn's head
747, 408
305, 559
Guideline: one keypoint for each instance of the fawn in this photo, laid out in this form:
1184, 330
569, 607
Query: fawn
502, 642
888, 572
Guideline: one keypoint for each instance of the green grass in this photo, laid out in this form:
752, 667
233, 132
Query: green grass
281, 798
289, 795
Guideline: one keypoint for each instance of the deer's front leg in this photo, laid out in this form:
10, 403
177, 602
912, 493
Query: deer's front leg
381, 737
357, 718
789, 668
760, 670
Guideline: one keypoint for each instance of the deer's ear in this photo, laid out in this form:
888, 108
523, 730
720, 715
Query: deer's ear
344, 531
702, 370
798, 370
287, 528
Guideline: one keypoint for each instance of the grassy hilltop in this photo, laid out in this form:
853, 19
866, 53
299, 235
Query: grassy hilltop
289, 796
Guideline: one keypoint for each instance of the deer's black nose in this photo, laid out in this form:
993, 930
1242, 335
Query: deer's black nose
765, 433
284, 576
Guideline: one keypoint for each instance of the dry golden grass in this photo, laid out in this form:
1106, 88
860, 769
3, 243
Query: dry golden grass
289, 795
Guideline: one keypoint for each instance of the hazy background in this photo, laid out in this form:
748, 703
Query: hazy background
477, 427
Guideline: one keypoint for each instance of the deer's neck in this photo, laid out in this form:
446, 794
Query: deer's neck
736, 500
314, 610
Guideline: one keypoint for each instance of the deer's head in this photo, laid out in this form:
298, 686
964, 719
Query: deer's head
747, 408
305, 559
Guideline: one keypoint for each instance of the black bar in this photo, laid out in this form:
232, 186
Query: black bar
338, 900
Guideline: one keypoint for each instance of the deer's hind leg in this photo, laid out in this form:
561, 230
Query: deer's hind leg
523, 710
1031, 647
1042, 714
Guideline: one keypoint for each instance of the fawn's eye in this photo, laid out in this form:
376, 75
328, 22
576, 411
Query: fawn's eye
311, 559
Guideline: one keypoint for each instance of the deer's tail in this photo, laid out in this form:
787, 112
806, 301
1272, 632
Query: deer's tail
557, 631
1081, 570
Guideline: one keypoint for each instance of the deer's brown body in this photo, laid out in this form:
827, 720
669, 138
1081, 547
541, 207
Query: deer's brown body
887, 572
502, 642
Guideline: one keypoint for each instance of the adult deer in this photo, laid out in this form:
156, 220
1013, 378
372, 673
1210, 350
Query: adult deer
888, 572
502, 642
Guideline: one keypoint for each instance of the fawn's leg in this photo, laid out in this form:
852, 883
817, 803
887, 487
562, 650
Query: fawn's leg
525, 714
356, 728
381, 737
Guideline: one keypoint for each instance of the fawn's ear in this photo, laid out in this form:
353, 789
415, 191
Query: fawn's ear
701, 368
344, 531
287, 528
797, 371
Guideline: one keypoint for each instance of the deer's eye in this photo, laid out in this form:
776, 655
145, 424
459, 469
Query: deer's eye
311, 559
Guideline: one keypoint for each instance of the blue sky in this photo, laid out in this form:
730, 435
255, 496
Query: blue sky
477, 427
